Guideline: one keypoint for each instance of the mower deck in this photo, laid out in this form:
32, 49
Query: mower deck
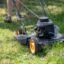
40, 41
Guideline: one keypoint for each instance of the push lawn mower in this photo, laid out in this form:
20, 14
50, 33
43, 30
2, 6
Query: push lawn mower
45, 32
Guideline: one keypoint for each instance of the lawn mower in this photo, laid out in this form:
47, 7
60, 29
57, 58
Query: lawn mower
45, 32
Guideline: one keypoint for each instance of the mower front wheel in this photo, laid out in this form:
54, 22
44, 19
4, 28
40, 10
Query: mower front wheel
33, 46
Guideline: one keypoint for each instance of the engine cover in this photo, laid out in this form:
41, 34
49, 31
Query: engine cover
45, 28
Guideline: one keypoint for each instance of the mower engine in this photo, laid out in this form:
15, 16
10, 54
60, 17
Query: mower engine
45, 28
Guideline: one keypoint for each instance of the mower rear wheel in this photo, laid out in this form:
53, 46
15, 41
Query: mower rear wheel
33, 46
17, 32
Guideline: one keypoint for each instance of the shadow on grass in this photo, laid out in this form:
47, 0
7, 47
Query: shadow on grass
11, 26
55, 2
28, 23
44, 50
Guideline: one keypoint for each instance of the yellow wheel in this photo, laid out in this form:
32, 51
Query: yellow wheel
33, 46
17, 32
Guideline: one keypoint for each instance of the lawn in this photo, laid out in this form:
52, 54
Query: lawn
12, 52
